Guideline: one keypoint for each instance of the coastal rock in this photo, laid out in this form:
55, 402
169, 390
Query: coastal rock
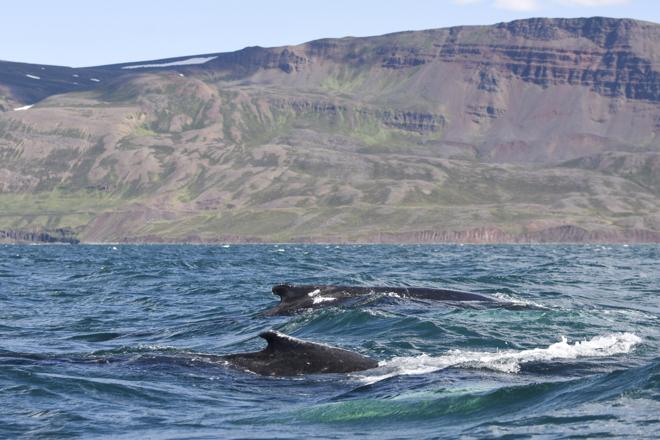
63, 235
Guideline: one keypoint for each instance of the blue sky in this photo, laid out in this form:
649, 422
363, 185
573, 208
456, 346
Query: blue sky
84, 33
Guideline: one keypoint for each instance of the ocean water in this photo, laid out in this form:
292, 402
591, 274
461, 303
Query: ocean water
106, 341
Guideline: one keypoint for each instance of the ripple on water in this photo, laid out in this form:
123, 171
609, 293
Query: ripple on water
120, 341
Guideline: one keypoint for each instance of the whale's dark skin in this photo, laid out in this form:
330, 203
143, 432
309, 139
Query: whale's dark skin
294, 298
287, 356
284, 356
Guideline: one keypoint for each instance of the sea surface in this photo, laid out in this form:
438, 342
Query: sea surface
107, 341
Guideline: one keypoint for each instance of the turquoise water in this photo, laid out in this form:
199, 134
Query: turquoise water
105, 342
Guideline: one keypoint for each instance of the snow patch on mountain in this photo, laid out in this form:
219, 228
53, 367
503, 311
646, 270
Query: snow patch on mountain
186, 62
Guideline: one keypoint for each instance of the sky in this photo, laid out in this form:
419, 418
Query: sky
86, 33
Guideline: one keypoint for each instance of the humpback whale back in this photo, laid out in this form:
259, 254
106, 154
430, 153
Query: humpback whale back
287, 356
307, 296
288, 292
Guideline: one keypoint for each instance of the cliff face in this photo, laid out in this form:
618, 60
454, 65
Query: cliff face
533, 130
529, 91
560, 234
612, 57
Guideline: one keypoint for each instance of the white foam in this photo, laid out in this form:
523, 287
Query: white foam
25, 107
508, 361
95, 79
32, 76
518, 302
186, 62
392, 295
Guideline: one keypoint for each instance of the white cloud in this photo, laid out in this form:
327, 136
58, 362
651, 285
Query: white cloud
589, 3
535, 5
517, 5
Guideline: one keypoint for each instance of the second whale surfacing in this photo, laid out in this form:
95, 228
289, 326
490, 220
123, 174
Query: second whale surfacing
294, 298
288, 356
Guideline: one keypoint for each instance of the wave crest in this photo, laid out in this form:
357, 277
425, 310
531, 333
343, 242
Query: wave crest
508, 361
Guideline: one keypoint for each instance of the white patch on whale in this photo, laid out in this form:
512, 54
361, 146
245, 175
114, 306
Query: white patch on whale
316, 299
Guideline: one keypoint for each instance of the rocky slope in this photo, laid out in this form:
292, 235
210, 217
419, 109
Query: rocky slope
537, 130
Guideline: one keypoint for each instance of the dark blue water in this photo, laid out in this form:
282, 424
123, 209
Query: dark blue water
105, 342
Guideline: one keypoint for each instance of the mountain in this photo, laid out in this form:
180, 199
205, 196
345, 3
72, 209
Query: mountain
535, 130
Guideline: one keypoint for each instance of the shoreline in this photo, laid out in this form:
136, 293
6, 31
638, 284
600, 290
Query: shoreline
563, 234
356, 243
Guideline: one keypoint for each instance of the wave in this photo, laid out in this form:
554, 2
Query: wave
513, 301
508, 361
478, 407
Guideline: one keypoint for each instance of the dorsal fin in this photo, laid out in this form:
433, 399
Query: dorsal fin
280, 341
288, 292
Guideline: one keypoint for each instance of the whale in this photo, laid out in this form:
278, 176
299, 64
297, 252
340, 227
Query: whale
288, 356
294, 298
283, 356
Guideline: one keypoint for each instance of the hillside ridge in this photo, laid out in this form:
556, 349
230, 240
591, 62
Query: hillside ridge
520, 127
